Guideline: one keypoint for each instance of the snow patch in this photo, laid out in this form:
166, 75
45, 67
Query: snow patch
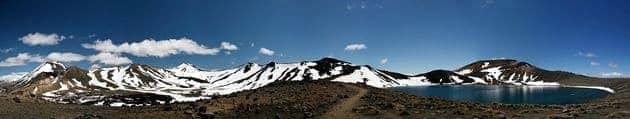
464, 72
595, 87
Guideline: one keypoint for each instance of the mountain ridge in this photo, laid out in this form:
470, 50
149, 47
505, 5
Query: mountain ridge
186, 82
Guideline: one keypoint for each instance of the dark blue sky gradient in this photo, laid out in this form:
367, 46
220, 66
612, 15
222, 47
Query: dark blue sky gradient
415, 35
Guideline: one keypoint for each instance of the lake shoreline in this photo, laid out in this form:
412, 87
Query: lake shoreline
509, 94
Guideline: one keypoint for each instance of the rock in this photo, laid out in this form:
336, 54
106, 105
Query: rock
308, 114
404, 113
89, 116
619, 114
458, 112
565, 110
207, 115
202, 109
559, 116
188, 112
277, 116
168, 108
17, 99
500, 116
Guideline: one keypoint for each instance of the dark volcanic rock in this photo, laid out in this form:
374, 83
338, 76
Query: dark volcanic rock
445, 76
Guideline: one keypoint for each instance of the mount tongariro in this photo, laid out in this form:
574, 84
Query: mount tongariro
138, 84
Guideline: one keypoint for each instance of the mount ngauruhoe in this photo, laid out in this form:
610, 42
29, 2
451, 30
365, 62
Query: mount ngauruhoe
138, 84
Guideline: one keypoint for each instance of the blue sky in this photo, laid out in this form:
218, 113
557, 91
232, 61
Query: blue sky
582, 36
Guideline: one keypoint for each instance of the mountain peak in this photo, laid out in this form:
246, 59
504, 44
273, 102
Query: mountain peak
187, 67
50, 66
185, 64
332, 60
483, 64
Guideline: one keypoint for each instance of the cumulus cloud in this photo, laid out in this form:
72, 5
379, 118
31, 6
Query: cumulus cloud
12, 77
612, 65
228, 46
593, 63
95, 66
586, 54
363, 4
65, 57
34, 39
384, 61
613, 75
355, 47
109, 59
21, 59
6, 50
266, 51
486, 3
155, 48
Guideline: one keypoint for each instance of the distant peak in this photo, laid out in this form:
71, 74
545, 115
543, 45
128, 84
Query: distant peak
185, 64
138, 65
441, 71
49, 66
271, 64
499, 60
331, 60
53, 64
187, 67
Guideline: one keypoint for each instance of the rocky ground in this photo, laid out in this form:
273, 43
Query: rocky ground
321, 99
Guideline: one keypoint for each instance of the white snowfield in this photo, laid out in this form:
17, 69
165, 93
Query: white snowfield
595, 87
186, 83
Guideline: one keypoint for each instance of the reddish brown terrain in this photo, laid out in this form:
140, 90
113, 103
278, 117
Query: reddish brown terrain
323, 99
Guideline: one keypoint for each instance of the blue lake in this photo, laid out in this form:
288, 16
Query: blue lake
509, 94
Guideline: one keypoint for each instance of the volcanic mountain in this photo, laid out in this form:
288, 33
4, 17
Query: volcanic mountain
138, 84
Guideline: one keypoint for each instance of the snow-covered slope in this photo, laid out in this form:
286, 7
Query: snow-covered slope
104, 86
138, 84
505, 71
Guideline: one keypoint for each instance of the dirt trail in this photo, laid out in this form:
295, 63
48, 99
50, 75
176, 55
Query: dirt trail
344, 110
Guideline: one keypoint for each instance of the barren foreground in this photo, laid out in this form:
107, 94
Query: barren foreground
322, 99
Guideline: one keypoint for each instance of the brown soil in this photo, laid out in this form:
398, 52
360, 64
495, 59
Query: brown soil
344, 109
322, 99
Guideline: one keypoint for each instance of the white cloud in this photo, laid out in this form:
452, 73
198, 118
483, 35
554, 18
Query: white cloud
21, 59
362, 4
228, 46
6, 50
109, 59
330, 55
612, 65
613, 75
593, 63
255, 58
355, 47
486, 3
65, 57
95, 66
33, 39
384, 61
12, 77
252, 45
586, 54
266, 51
156, 48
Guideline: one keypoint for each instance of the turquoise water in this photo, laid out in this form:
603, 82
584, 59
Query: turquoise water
509, 94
